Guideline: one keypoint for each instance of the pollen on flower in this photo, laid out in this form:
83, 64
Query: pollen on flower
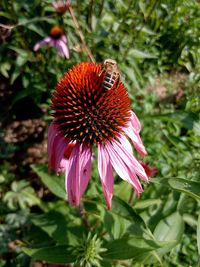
56, 32
86, 113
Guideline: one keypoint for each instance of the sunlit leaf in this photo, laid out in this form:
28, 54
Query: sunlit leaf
22, 195
142, 204
186, 119
131, 248
135, 53
121, 208
191, 188
169, 229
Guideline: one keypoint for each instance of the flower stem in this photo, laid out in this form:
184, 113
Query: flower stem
132, 197
83, 216
81, 34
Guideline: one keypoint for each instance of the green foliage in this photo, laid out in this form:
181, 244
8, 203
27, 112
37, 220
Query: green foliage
152, 41
54, 183
21, 195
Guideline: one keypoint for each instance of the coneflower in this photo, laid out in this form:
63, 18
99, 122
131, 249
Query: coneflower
56, 39
61, 6
85, 115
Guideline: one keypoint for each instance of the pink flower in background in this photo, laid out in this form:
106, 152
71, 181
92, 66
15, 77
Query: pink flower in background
61, 6
56, 39
150, 171
87, 116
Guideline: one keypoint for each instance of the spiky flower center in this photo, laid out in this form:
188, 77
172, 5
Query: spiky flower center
84, 110
56, 32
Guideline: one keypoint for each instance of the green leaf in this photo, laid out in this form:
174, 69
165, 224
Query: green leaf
15, 74
143, 204
124, 210
191, 188
36, 29
6, 15
38, 236
115, 225
131, 75
19, 51
21, 60
56, 254
169, 229
54, 183
22, 195
198, 234
19, 95
123, 190
131, 248
135, 53
4, 68
121, 208
183, 118
24, 21
54, 224
196, 128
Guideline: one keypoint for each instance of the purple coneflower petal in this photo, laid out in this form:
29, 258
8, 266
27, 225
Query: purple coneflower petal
64, 166
73, 177
122, 165
106, 174
63, 49
56, 147
135, 122
125, 143
79, 173
132, 131
46, 40
85, 167
130, 159
64, 39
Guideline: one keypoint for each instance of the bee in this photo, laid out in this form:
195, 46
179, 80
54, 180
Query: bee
112, 73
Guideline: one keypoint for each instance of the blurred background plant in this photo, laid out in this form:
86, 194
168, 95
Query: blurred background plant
157, 46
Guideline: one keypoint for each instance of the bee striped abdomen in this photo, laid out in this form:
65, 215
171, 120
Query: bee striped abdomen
111, 73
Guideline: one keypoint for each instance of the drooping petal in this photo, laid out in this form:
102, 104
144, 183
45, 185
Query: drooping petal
63, 49
132, 130
72, 178
122, 167
56, 147
64, 39
64, 166
125, 142
130, 159
78, 173
135, 122
106, 174
85, 167
38, 45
